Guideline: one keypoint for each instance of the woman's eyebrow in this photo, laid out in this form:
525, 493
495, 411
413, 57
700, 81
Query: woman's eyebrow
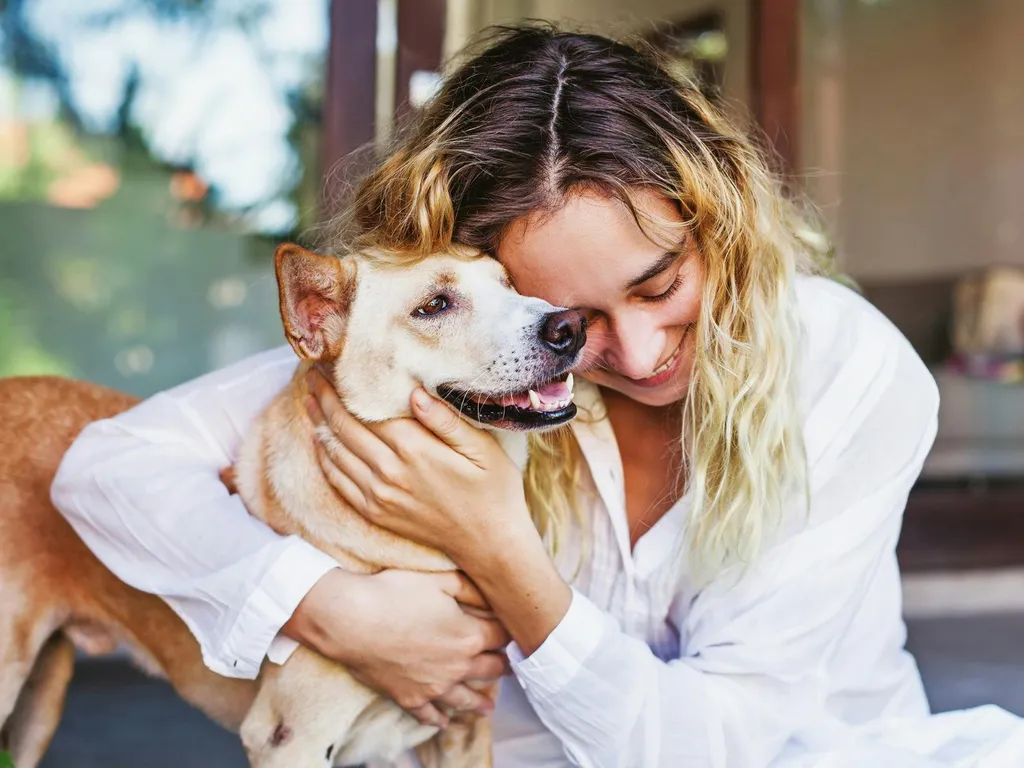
667, 260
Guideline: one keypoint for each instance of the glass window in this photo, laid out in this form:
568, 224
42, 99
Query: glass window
152, 153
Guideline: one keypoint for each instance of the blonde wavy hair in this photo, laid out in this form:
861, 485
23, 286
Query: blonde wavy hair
534, 114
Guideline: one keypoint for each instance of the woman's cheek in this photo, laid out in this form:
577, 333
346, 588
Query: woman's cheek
593, 358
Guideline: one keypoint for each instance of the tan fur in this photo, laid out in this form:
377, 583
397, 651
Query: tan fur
310, 711
50, 581
41, 701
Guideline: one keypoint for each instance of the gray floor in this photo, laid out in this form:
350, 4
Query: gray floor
118, 719
970, 662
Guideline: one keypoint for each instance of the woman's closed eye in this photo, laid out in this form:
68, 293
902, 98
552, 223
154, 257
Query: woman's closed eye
666, 293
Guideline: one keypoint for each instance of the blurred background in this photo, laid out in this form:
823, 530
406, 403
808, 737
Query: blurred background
153, 152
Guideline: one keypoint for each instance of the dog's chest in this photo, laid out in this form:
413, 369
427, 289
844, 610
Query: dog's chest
281, 482
515, 445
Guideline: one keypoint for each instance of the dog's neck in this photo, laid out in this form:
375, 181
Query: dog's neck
515, 444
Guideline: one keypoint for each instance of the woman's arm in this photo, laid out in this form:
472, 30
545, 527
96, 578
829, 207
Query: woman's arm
756, 650
143, 492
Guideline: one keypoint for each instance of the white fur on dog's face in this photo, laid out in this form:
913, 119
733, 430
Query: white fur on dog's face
485, 338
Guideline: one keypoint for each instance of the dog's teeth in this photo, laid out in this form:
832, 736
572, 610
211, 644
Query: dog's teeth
572, 396
569, 382
535, 401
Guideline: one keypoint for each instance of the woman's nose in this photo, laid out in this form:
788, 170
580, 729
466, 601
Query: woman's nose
634, 348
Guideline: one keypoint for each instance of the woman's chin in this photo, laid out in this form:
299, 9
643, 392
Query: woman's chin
667, 393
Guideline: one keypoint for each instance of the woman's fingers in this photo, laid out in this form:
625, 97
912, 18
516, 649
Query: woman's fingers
488, 667
458, 585
348, 430
462, 698
493, 636
450, 427
428, 714
347, 488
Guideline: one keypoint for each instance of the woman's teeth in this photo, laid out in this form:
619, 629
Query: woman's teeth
668, 363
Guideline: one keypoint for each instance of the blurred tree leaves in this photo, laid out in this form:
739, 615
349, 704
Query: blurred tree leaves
151, 282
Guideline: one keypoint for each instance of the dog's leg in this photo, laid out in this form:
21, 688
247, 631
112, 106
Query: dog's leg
303, 713
463, 744
37, 713
16, 657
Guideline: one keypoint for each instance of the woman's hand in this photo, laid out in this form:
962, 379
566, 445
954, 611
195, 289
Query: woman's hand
437, 480
407, 635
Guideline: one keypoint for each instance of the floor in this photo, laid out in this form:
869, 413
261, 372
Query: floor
969, 661
116, 718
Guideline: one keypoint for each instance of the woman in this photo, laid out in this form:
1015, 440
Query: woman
724, 588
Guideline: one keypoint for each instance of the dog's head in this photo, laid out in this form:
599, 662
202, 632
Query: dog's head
452, 323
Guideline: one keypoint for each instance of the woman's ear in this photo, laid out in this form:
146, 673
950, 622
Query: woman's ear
316, 294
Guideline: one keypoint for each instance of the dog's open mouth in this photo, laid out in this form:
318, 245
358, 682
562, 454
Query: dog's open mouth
548, 405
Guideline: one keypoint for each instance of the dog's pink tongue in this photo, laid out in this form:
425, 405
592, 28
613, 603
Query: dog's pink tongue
554, 392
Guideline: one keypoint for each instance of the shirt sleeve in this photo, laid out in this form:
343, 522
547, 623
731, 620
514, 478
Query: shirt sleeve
142, 490
757, 646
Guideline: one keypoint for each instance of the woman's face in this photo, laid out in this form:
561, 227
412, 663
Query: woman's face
641, 292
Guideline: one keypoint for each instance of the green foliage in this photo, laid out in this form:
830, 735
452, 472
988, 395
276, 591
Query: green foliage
5, 760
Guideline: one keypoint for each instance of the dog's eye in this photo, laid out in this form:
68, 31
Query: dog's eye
432, 307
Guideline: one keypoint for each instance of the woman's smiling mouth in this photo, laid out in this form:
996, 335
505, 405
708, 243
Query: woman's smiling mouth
666, 370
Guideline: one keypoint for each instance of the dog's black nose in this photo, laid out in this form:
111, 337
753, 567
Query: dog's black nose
564, 332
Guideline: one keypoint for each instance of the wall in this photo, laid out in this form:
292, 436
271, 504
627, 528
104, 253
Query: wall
617, 18
913, 123
914, 132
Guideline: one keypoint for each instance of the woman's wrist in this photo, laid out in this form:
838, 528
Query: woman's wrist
502, 533
522, 585
335, 594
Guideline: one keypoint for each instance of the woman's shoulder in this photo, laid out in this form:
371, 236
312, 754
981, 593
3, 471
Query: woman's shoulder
853, 361
841, 328
838, 319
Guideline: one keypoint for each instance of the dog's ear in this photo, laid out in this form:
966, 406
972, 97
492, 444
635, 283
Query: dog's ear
316, 293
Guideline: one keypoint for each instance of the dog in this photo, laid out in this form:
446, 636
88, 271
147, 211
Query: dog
378, 328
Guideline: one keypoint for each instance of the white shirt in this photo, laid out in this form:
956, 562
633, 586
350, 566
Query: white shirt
800, 658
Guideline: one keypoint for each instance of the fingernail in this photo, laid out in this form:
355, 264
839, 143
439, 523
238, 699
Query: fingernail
422, 400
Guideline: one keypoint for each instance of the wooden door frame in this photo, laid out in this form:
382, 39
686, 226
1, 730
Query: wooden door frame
775, 83
351, 78
349, 90
421, 25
